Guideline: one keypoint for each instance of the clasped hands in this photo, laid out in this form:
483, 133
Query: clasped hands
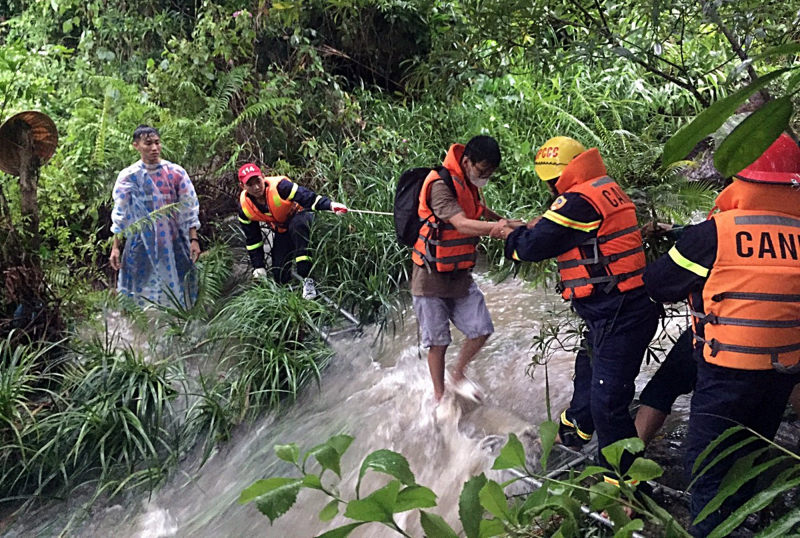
503, 227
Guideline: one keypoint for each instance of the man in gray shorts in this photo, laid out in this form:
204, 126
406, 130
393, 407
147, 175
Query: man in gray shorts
444, 255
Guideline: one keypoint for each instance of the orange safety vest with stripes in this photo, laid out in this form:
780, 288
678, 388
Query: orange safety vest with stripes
617, 249
752, 296
439, 243
280, 211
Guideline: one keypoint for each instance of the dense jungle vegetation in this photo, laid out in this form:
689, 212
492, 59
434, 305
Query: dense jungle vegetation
341, 96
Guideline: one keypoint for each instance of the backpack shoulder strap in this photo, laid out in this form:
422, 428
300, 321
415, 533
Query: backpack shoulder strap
444, 173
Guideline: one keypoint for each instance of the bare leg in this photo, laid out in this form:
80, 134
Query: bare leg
436, 366
465, 356
648, 422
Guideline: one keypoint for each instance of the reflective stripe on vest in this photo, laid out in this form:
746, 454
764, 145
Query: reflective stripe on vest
751, 299
280, 211
617, 250
439, 245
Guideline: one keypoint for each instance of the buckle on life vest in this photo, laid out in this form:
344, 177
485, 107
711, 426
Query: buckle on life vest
782, 368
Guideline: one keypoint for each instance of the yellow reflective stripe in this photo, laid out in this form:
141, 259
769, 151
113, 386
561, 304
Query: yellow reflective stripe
314, 205
565, 420
244, 221
294, 191
303, 259
257, 245
516, 256
569, 223
276, 200
568, 423
687, 264
247, 212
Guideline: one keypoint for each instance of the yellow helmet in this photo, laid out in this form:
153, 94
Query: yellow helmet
555, 155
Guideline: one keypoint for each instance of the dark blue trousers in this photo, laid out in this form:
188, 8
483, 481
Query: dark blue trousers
619, 330
722, 398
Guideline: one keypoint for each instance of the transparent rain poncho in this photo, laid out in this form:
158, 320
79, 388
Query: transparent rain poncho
154, 208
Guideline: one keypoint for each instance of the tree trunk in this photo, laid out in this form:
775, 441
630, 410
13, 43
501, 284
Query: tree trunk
28, 184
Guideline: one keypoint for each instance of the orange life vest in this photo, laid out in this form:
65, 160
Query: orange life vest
280, 211
439, 242
752, 296
617, 249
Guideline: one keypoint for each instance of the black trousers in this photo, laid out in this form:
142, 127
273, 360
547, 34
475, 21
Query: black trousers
723, 398
676, 375
292, 246
617, 337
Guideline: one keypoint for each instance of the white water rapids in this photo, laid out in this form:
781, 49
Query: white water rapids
380, 393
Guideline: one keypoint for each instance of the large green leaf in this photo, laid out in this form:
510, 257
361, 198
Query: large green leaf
643, 469
714, 444
414, 497
277, 501
782, 527
709, 120
290, 453
759, 501
753, 136
547, 435
491, 527
388, 462
312, 481
512, 455
613, 452
330, 511
494, 501
340, 443
327, 456
602, 495
340, 532
672, 527
742, 474
262, 487
628, 530
469, 506
378, 506
435, 527
780, 50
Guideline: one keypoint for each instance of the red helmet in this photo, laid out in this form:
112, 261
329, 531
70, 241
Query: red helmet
779, 165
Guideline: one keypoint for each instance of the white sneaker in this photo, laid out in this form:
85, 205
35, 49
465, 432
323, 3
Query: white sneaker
309, 289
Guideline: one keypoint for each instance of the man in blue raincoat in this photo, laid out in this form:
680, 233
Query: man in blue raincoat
157, 213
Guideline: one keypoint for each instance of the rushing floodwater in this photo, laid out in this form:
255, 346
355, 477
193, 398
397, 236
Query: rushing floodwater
378, 392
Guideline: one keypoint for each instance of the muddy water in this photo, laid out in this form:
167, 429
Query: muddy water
377, 390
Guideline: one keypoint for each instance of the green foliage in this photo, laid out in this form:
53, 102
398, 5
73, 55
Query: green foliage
554, 508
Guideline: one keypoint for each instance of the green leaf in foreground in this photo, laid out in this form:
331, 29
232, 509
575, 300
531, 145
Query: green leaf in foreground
547, 435
262, 487
435, 527
470, 509
290, 453
512, 455
753, 136
613, 452
643, 469
341, 532
330, 511
494, 500
709, 120
378, 506
277, 501
388, 462
414, 497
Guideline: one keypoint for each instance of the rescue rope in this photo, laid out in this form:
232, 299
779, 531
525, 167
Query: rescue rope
367, 212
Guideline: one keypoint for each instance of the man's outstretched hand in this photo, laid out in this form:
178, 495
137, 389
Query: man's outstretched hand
339, 209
